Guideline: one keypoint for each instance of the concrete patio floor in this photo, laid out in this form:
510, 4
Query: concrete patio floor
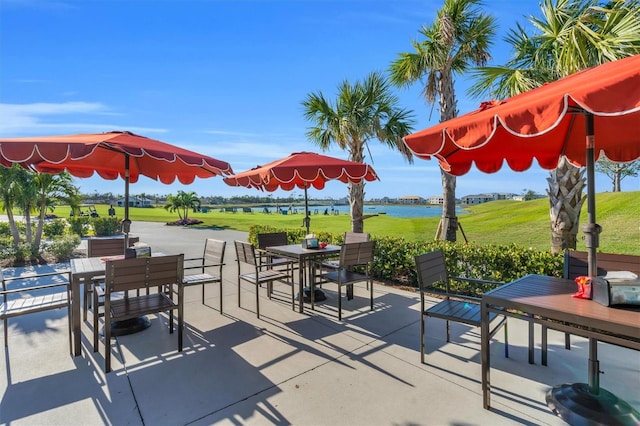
287, 367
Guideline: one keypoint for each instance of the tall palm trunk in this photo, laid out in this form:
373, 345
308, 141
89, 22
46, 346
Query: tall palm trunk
42, 212
566, 183
448, 110
356, 197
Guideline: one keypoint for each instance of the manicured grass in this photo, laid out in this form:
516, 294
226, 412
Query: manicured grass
499, 222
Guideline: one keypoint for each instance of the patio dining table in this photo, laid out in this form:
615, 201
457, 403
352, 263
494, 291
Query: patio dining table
305, 257
548, 301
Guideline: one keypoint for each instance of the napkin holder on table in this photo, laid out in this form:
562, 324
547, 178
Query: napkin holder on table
310, 242
137, 251
617, 288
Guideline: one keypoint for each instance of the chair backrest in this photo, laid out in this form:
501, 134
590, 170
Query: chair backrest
272, 239
114, 246
355, 237
431, 268
576, 263
353, 254
214, 251
97, 247
144, 272
245, 253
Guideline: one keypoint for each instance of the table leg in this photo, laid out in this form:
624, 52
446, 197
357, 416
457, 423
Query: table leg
75, 316
485, 355
301, 284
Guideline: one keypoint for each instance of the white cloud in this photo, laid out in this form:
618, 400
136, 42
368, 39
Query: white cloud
29, 119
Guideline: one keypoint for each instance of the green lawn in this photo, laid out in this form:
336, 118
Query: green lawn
499, 222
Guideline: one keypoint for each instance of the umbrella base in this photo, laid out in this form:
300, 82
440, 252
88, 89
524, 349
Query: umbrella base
130, 326
575, 404
318, 295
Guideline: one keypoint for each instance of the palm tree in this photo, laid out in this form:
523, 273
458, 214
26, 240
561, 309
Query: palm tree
363, 111
571, 35
459, 37
182, 202
33, 192
50, 191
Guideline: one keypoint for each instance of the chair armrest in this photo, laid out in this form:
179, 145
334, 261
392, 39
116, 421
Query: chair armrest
477, 280
46, 274
208, 265
267, 265
37, 287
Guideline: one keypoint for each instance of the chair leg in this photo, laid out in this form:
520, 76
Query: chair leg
181, 315
96, 315
220, 295
531, 339
567, 341
448, 331
545, 346
506, 337
422, 338
6, 334
370, 288
258, 301
70, 326
107, 338
339, 302
87, 298
203, 294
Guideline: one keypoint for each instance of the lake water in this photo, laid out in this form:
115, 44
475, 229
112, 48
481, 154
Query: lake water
387, 209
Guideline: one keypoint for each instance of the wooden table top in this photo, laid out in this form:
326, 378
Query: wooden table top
550, 297
296, 250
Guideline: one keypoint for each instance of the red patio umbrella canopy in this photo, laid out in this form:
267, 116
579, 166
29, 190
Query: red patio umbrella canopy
542, 124
102, 153
302, 170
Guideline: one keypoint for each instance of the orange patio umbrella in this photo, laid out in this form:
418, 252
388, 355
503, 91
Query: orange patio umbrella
582, 116
110, 155
302, 170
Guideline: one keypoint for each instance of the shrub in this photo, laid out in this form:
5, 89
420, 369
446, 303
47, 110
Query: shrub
5, 230
55, 228
80, 225
395, 258
105, 226
20, 253
62, 248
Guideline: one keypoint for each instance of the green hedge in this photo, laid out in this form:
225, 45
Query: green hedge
395, 257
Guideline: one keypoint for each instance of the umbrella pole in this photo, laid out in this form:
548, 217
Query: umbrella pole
307, 219
126, 222
592, 231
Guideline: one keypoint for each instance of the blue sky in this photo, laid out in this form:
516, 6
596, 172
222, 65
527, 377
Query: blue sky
225, 78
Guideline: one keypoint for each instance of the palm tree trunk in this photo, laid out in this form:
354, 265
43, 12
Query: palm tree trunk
449, 218
356, 197
566, 183
448, 110
42, 213
15, 234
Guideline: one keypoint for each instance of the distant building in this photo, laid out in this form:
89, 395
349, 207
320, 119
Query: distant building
477, 199
483, 198
411, 199
136, 202
436, 200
